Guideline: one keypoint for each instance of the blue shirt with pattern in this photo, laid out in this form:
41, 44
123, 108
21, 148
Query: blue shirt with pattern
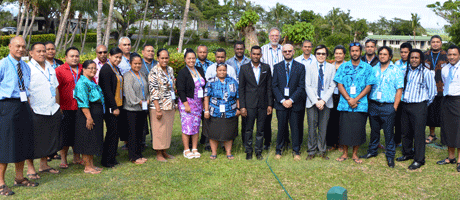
388, 82
222, 94
9, 79
401, 65
204, 66
237, 64
360, 77
87, 92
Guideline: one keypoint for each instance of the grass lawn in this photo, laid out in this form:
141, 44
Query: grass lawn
241, 179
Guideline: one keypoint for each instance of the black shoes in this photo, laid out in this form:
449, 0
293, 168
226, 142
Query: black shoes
443, 162
415, 165
391, 162
249, 156
267, 147
309, 157
404, 158
367, 156
324, 156
259, 156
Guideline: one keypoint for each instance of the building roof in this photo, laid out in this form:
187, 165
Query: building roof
399, 37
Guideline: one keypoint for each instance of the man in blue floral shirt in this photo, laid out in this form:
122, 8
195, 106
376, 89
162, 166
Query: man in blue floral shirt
384, 100
354, 80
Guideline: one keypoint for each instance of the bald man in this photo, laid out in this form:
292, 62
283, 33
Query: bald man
100, 60
288, 87
16, 129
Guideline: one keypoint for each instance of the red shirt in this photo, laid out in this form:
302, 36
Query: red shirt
67, 80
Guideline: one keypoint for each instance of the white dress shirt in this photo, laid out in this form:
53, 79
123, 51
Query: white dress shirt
452, 83
256, 71
310, 61
42, 82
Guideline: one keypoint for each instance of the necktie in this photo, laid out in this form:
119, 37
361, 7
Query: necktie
320, 79
451, 71
287, 69
20, 75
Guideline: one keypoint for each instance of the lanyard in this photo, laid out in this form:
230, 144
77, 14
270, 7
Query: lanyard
224, 90
382, 78
196, 75
119, 77
75, 77
434, 61
54, 64
145, 65
275, 58
170, 79
49, 73
288, 75
21, 81
140, 82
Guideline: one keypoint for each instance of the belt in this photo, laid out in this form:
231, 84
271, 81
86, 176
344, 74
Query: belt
378, 103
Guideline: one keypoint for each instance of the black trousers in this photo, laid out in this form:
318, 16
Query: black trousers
413, 123
295, 121
136, 121
268, 130
398, 132
259, 114
111, 139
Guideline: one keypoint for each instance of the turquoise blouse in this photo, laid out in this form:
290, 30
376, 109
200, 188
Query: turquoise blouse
87, 91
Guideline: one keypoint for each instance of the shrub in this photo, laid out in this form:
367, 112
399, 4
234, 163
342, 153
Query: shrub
4, 51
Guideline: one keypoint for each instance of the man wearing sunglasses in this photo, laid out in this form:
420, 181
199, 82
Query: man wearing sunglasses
354, 80
100, 60
370, 57
288, 87
319, 86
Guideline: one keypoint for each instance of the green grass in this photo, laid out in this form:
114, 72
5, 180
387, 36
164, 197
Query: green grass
241, 179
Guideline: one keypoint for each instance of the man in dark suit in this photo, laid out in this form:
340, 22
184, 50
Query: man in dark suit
289, 90
256, 101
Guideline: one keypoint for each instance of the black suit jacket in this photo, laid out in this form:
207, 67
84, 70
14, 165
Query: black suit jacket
108, 83
296, 85
185, 85
253, 95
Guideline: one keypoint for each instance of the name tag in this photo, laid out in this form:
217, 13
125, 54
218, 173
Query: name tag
379, 95
53, 91
286, 91
23, 96
73, 94
353, 90
406, 95
200, 93
336, 91
222, 108
144, 105
173, 95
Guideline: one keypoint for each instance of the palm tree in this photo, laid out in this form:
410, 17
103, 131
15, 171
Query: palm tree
63, 21
415, 24
99, 21
109, 24
184, 25
141, 27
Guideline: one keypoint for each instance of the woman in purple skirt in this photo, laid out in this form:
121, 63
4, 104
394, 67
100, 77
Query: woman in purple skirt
190, 88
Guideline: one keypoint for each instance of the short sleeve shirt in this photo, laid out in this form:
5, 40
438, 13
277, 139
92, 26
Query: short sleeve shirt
222, 94
388, 82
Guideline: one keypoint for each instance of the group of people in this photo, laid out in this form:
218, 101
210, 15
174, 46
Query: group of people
47, 106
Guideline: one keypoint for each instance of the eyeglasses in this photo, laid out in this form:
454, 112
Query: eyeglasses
355, 44
101, 52
287, 51
320, 54
92, 68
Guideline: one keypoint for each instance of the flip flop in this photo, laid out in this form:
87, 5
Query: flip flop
5, 191
63, 166
33, 176
49, 171
25, 182
81, 162
357, 161
230, 157
340, 159
213, 157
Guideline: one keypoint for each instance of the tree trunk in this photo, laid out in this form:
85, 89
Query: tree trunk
158, 31
29, 30
415, 44
66, 35
27, 19
18, 29
184, 25
109, 24
99, 22
250, 35
19, 19
170, 32
84, 38
150, 31
141, 29
75, 29
63, 23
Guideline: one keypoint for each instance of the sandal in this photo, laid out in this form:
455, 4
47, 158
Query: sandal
188, 155
94, 171
81, 162
341, 159
63, 166
139, 161
33, 176
358, 161
50, 170
196, 154
97, 168
431, 139
213, 157
25, 182
5, 191
230, 157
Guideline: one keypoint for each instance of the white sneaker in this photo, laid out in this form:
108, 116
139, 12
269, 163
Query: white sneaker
196, 154
188, 155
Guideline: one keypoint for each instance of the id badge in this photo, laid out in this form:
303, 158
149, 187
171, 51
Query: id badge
286, 91
73, 94
406, 95
144, 105
222, 108
336, 90
353, 89
173, 95
379, 95
23, 96
53, 91
200, 93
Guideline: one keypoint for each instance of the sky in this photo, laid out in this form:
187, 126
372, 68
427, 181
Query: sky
371, 10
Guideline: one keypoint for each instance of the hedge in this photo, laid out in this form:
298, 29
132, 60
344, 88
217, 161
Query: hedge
90, 37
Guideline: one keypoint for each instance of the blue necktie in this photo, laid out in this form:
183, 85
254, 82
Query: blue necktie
450, 78
320, 79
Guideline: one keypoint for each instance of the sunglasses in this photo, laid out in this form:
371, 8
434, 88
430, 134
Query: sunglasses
321, 54
355, 44
287, 51
101, 52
